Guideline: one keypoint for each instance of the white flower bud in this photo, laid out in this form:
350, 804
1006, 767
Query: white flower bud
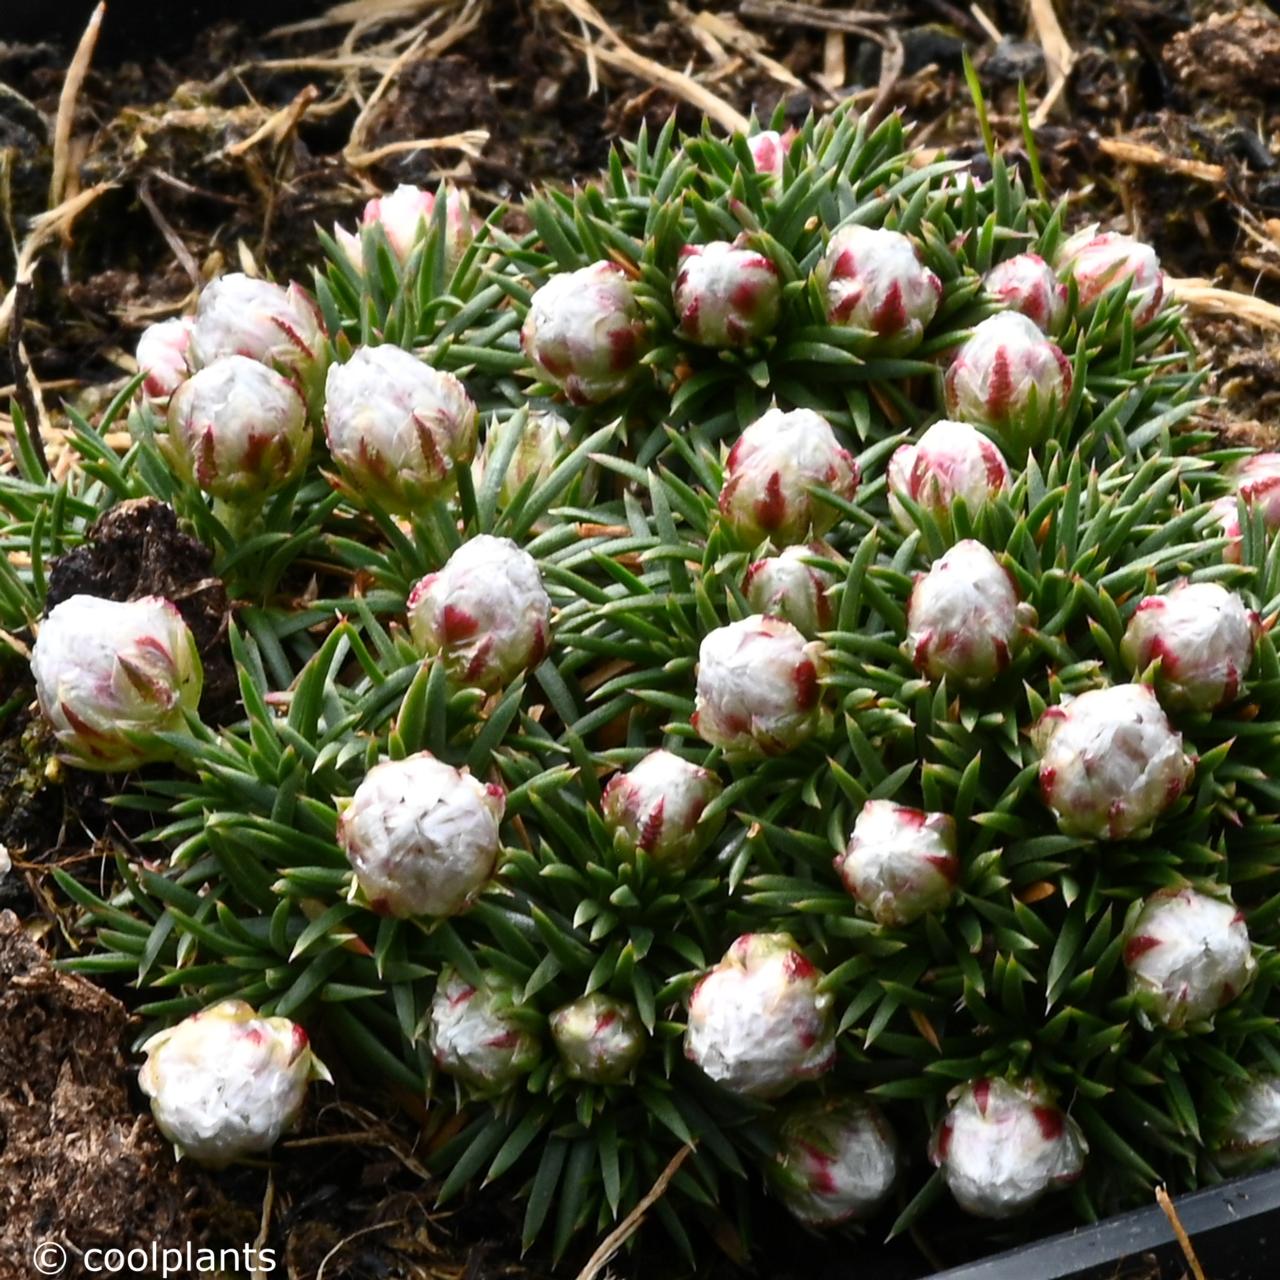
768, 152
486, 613
964, 619
759, 690
545, 440
1257, 482
397, 428
600, 1039
1250, 1139
784, 586
1110, 763
1027, 283
836, 1161
240, 316
405, 216
873, 280
900, 863
1204, 638
726, 295
105, 670
225, 1083
1187, 955
1100, 262
1003, 1145
950, 460
770, 471
1008, 376
584, 332
758, 1024
476, 1033
656, 808
163, 353
422, 836
238, 430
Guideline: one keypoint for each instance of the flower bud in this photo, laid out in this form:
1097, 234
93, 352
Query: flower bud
163, 352
1203, 636
545, 440
873, 280
280, 327
486, 613
837, 1160
585, 333
725, 295
1027, 284
900, 863
1008, 376
405, 216
1250, 1138
600, 1039
397, 428
768, 152
1101, 262
1187, 955
770, 471
656, 808
951, 460
422, 836
758, 1025
1110, 763
225, 1083
759, 690
964, 619
784, 586
1004, 1144
238, 430
477, 1034
106, 670
1257, 482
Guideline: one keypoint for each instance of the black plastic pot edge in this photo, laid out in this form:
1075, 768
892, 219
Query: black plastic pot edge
1228, 1226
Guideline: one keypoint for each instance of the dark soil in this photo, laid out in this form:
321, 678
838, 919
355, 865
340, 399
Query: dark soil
168, 115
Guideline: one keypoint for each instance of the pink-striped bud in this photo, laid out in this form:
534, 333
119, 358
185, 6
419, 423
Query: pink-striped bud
1003, 1145
405, 217
656, 808
107, 670
397, 428
725, 295
163, 357
1008, 376
873, 280
786, 586
759, 687
770, 471
1257, 482
1027, 284
900, 863
486, 613
238, 430
1100, 262
422, 836
238, 315
964, 618
1203, 636
769, 152
600, 1039
481, 1036
951, 460
758, 1024
585, 333
1250, 1137
225, 1083
836, 1160
1110, 762
1187, 956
